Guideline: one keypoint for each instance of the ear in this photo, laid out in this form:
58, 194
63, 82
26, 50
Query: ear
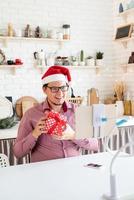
44, 89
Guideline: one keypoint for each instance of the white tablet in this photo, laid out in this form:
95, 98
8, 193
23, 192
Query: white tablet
83, 122
88, 120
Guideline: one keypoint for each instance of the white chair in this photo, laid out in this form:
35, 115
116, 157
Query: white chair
119, 109
4, 162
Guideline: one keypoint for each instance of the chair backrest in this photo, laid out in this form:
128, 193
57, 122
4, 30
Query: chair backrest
119, 109
4, 162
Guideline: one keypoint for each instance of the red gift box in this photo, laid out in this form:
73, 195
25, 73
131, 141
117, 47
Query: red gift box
55, 123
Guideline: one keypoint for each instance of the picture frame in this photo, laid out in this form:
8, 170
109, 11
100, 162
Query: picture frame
124, 32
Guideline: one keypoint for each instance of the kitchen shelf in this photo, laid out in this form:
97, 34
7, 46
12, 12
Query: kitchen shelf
122, 1
126, 13
125, 67
82, 67
125, 41
96, 68
5, 39
12, 67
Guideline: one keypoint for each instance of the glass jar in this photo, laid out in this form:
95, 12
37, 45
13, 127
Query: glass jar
66, 31
58, 60
65, 61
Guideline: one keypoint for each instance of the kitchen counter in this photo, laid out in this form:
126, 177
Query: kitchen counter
9, 133
7, 139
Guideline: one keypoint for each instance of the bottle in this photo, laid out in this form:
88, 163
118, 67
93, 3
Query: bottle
27, 31
121, 8
66, 31
127, 104
82, 59
42, 57
38, 33
10, 30
82, 56
127, 107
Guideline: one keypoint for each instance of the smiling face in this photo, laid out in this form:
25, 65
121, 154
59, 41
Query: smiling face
56, 92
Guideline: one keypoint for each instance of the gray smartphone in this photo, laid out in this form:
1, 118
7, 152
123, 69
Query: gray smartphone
93, 165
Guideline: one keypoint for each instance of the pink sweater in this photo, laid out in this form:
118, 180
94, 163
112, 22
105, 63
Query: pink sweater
46, 147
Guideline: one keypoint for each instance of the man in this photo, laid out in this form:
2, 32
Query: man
32, 135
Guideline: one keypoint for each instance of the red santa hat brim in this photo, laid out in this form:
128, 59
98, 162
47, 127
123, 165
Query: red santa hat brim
56, 73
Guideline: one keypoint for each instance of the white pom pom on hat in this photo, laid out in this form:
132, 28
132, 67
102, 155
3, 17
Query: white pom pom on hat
56, 73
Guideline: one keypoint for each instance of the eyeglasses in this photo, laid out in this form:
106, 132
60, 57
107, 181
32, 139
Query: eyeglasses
63, 88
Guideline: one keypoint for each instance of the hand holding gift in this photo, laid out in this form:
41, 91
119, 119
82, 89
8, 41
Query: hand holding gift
68, 134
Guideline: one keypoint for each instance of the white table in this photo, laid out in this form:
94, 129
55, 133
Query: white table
66, 179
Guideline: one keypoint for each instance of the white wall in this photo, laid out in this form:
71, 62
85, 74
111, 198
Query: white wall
91, 30
122, 54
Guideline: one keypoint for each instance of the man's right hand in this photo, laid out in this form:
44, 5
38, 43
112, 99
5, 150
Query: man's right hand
39, 128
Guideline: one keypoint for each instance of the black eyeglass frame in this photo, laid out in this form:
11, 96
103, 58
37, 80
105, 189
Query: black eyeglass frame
54, 89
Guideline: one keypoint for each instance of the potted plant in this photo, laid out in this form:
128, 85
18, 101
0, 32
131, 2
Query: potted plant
99, 58
74, 61
90, 61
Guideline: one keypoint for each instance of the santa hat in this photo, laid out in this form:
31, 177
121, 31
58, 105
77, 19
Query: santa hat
56, 73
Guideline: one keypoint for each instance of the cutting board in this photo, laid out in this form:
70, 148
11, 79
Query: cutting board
23, 104
93, 96
132, 108
127, 107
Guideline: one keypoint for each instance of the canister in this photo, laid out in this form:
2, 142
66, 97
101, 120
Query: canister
66, 31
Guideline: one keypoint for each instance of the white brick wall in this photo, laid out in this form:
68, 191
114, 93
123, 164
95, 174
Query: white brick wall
91, 30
